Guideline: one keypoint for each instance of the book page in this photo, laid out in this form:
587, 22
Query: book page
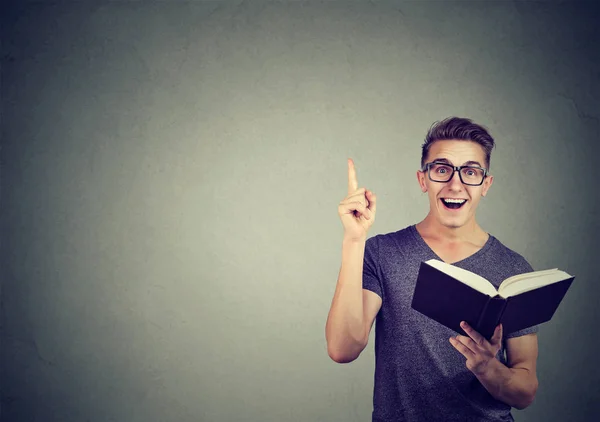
522, 283
523, 276
467, 277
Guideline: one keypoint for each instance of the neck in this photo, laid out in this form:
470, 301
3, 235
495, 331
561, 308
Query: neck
433, 228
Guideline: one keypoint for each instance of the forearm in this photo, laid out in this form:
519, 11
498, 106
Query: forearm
513, 386
345, 328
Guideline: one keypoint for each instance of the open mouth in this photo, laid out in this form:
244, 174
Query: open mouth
453, 204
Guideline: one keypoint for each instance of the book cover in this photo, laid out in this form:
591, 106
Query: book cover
449, 301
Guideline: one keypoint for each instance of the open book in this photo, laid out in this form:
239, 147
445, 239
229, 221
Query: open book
450, 294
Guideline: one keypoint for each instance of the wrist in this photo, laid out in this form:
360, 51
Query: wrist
493, 369
354, 241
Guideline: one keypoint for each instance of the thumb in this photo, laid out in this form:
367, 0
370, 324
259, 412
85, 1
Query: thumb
372, 201
497, 337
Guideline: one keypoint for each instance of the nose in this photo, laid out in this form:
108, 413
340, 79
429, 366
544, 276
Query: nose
455, 183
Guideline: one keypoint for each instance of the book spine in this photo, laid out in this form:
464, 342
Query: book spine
490, 316
483, 312
505, 302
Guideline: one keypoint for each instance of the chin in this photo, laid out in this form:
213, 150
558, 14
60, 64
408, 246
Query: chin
452, 223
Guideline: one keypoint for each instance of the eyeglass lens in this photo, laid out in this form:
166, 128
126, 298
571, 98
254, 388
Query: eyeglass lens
443, 173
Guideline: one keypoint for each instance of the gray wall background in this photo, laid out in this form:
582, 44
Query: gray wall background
170, 179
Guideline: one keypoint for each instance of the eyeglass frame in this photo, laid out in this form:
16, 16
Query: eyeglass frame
427, 166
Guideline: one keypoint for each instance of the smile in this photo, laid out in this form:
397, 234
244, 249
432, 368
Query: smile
453, 203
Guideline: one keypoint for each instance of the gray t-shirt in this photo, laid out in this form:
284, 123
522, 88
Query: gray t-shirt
419, 375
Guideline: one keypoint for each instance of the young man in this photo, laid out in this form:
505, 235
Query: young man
423, 370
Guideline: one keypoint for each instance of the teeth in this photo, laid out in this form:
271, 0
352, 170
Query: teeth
455, 201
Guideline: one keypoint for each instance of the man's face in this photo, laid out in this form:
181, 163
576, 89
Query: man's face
455, 153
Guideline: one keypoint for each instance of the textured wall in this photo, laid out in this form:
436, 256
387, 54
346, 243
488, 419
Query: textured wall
170, 179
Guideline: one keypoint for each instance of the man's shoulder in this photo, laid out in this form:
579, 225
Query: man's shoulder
396, 237
510, 257
404, 232
397, 246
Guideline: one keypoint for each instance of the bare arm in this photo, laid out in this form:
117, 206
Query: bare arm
515, 383
353, 309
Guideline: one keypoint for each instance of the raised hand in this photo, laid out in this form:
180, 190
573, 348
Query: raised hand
357, 210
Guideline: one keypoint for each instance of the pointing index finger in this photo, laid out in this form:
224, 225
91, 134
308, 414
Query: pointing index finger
352, 182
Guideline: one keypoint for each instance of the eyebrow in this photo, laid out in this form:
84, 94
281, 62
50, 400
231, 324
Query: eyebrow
468, 163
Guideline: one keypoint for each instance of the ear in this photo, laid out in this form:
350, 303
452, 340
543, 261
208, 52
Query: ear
421, 180
486, 184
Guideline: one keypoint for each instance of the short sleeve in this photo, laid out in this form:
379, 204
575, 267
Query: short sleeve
530, 330
522, 266
371, 279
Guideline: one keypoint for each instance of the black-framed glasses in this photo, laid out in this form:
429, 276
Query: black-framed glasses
442, 173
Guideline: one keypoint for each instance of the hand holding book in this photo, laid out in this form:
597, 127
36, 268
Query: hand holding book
478, 350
